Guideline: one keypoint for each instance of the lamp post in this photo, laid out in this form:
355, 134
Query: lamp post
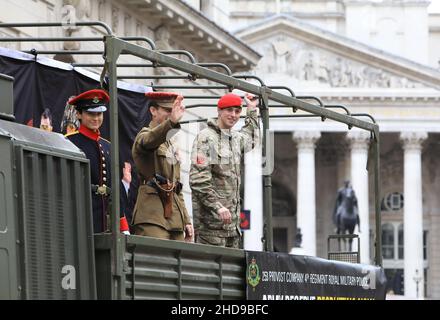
417, 279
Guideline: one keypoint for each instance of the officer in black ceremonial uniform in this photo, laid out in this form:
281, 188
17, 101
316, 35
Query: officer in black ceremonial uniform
90, 107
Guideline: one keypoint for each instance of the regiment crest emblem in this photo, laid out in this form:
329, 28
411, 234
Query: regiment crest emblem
253, 272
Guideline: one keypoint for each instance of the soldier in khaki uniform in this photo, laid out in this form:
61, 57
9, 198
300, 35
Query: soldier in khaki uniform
215, 172
160, 209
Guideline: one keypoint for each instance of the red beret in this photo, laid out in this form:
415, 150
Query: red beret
155, 95
229, 100
164, 99
95, 100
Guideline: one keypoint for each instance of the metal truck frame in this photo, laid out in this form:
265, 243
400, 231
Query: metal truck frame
114, 48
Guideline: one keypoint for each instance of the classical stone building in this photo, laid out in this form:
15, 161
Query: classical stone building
376, 57
170, 24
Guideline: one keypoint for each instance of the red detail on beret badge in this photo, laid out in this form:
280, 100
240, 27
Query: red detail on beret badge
200, 159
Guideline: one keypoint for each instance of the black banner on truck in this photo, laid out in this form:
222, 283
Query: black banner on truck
281, 276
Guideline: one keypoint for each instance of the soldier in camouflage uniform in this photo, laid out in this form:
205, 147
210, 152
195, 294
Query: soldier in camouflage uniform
215, 172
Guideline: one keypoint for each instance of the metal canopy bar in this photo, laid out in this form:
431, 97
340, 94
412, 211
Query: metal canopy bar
7, 117
216, 65
157, 59
201, 97
311, 98
121, 65
364, 115
115, 47
117, 284
331, 106
58, 24
324, 112
235, 83
378, 236
197, 87
338, 106
149, 65
192, 106
275, 116
183, 77
182, 52
243, 117
283, 88
80, 39
271, 117
65, 52
97, 52
245, 77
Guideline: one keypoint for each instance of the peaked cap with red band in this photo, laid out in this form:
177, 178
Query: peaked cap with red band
229, 100
162, 99
95, 100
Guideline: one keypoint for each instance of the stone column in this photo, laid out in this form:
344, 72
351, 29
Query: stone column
413, 212
253, 199
359, 180
306, 206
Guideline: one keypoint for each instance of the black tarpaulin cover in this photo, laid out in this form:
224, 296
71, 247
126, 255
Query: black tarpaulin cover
41, 83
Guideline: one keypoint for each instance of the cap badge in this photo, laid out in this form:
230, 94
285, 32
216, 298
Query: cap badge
95, 100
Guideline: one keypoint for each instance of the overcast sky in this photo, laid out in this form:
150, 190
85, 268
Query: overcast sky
434, 6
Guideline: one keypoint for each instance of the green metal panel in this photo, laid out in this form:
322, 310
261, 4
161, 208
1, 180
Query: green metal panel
53, 211
163, 269
375, 147
9, 287
103, 272
7, 103
57, 225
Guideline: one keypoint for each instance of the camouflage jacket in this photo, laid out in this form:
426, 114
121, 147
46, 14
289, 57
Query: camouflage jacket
215, 175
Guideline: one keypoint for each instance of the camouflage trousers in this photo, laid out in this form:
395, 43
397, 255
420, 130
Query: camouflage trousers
229, 242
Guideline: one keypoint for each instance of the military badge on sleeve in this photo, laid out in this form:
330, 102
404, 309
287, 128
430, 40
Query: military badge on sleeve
201, 159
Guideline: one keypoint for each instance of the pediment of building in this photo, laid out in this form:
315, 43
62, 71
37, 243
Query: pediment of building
309, 57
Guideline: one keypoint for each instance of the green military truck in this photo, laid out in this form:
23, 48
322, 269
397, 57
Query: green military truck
47, 247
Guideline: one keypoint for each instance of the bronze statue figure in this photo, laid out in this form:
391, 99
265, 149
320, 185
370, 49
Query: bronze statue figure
345, 214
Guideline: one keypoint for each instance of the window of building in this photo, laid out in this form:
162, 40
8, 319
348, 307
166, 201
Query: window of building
393, 255
425, 245
392, 202
388, 241
393, 240
400, 242
395, 281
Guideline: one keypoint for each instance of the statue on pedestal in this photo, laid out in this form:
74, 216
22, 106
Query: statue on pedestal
346, 213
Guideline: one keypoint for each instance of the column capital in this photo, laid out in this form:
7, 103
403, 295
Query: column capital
306, 139
359, 140
412, 140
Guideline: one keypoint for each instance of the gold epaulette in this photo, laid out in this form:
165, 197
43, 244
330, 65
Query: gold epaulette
71, 134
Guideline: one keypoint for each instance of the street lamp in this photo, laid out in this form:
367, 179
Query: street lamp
417, 278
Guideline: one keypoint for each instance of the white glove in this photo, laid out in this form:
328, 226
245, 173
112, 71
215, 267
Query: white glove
126, 232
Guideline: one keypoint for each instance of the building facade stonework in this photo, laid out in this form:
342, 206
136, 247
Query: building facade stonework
320, 48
